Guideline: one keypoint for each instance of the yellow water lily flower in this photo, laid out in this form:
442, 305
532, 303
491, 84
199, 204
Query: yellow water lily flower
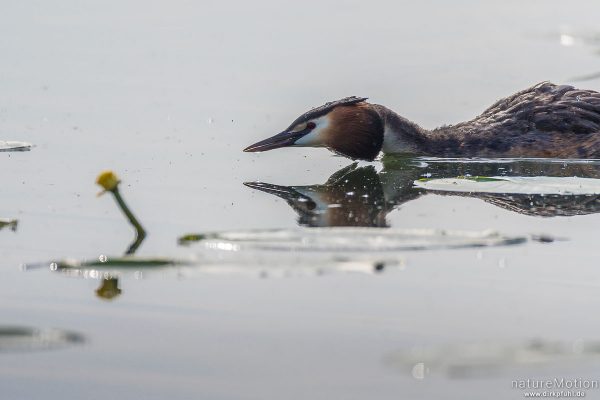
108, 180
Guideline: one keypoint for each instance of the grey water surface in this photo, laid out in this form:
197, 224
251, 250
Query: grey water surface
168, 94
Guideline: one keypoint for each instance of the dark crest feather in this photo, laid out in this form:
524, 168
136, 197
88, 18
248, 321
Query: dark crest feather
326, 108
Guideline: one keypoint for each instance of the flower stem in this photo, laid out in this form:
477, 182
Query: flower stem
139, 230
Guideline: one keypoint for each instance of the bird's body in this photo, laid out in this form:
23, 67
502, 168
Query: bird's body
545, 120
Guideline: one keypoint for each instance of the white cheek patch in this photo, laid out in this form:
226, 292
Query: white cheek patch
316, 137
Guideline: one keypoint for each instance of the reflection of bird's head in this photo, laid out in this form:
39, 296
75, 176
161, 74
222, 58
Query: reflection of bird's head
350, 127
351, 197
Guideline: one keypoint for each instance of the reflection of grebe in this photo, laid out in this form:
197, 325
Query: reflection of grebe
359, 196
544, 120
350, 197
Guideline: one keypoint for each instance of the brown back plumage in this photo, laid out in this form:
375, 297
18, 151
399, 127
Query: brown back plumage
545, 120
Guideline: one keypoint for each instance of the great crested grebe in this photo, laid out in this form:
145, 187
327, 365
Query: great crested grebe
545, 120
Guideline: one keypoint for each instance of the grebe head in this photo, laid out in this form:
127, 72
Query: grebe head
350, 127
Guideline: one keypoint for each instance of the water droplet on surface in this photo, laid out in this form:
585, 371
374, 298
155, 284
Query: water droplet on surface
567, 40
53, 266
102, 258
418, 371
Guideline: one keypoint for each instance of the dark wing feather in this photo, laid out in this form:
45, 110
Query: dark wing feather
545, 120
545, 107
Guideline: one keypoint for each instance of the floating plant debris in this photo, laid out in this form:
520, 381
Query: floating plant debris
20, 339
9, 223
12, 145
546, 185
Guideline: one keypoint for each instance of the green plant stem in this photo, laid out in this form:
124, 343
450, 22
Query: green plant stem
140, 233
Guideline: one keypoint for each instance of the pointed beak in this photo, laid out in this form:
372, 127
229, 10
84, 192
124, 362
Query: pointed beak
282, 139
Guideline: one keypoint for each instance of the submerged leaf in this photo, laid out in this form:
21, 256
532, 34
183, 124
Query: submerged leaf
189, 238
349, 239
125, 262
470, 178
482, 178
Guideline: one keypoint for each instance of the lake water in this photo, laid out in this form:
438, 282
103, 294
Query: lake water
167, 96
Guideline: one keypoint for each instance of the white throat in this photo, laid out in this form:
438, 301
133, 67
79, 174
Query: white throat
394, 142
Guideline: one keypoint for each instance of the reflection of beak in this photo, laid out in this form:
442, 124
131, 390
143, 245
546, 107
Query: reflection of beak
285, 192
282, 139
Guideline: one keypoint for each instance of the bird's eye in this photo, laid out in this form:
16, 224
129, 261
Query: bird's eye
311, 125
